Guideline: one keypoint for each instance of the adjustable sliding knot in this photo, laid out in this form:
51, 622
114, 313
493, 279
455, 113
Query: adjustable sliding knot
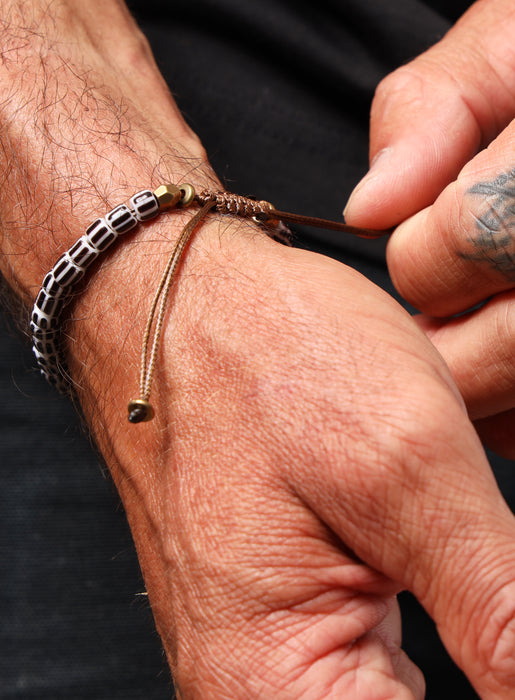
229, 203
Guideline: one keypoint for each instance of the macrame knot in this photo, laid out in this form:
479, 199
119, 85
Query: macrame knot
229, 203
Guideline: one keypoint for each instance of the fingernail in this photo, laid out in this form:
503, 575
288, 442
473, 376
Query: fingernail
362, 189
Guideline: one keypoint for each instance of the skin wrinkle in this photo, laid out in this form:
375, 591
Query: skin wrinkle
294, 629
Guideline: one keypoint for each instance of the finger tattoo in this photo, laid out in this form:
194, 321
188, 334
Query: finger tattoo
492, 240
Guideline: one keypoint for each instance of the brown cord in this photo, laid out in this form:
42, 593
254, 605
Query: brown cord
326, 223
140, 409
229, 203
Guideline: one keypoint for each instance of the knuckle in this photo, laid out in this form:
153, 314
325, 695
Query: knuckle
404, 440
500, 345
403, 86
497, 344
424, 257
504, 333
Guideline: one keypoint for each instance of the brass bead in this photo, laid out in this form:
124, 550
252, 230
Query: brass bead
168, 196
140, 411
188, 194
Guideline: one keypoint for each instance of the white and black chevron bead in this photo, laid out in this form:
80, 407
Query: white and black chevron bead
83, 253
42, 320
43, 360
39, 333
46, 303
66, 272
55, 379
100, 235
46, 347
145, 205
36, 331
52, 287
121, 219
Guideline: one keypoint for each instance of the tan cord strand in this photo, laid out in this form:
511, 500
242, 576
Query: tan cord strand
148, 357
326, 224
229, 203
162, 294
69, 269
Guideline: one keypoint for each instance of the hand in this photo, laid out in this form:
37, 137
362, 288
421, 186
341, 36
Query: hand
429, 119
310, 455
309, 458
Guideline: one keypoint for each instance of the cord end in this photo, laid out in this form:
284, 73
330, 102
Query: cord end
140, 411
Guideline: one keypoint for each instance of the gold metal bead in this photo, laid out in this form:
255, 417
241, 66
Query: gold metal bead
168, 196
188, 194
140, 411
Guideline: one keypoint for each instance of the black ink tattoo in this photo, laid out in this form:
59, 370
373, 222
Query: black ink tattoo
494, 239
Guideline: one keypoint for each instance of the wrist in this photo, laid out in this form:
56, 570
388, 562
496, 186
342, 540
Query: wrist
105, 325
106, 332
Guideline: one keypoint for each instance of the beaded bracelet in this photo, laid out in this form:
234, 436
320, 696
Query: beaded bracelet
58, 285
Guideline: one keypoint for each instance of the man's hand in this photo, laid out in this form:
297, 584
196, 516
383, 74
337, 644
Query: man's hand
429, 119
310, 454
317, 459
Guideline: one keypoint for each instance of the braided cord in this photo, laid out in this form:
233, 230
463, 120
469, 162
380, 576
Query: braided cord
148, 356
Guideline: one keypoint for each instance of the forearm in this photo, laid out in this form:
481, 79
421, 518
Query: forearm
86, 121
79, 137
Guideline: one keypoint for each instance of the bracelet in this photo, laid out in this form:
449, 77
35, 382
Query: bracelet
58, 285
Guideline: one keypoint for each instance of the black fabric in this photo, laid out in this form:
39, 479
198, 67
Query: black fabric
279, 91
74, 625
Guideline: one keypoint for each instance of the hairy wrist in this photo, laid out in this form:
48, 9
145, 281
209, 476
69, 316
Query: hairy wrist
76, 136
106, 323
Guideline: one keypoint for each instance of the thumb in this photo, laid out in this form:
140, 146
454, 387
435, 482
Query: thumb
429, 515
431, 116
473, 604
462, 569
